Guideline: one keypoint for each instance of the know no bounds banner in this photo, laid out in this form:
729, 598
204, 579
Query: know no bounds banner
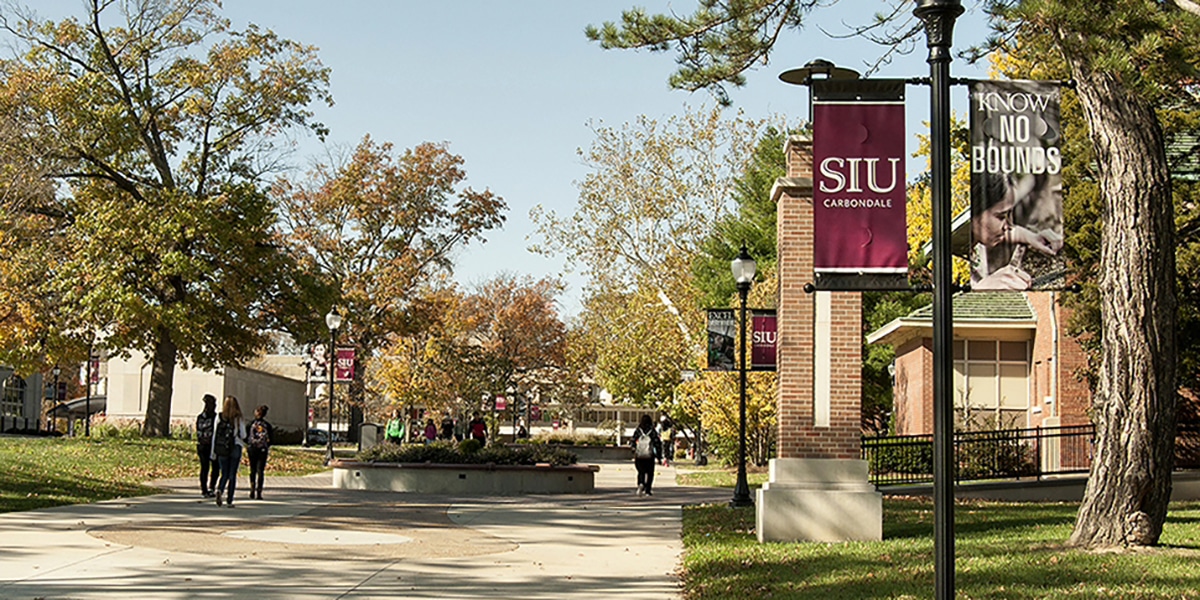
1016, 186
860, 238
722, 329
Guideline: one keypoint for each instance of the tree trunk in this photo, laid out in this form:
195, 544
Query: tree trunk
1125, 503
162, 377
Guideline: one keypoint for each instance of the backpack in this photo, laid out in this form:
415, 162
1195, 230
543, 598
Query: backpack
644, 447
204, 429
260, 435
223, 438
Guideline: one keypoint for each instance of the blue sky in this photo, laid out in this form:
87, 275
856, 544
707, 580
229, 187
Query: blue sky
511, 87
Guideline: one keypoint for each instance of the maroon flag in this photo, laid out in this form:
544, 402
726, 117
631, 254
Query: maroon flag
763, 338
343, 369
860, 238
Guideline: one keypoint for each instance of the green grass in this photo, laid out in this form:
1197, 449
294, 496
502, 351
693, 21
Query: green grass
1003, 550
43, 472
718, 476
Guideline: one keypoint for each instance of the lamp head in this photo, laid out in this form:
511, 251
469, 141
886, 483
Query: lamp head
805, 75
56, 371
333, 319
743, 268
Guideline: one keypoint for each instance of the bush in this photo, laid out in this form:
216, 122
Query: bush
570, 439
912, 459
469, 446
447, 453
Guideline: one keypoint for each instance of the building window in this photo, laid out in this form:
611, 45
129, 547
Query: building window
991, 384
12, 400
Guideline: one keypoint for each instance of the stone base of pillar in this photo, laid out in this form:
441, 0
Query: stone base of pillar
818, 500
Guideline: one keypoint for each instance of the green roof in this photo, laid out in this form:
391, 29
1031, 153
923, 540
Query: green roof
984, 306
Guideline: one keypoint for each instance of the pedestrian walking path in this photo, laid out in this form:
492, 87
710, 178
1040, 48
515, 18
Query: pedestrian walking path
307, 540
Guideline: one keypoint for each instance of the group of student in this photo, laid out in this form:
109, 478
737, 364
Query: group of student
394, 431
220, 439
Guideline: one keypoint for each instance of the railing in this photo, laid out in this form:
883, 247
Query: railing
979, 455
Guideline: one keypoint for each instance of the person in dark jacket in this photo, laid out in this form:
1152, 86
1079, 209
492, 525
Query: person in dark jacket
257, 447
204, 432
647, 449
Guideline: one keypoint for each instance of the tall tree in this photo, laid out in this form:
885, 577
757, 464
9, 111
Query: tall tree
1127, 57
381, 228
160, 127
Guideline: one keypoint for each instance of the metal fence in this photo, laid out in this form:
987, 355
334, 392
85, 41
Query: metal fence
1004, 454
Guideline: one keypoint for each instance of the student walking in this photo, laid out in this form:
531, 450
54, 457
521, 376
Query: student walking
647, 448
209, 471
431, 431
395, 428
478, 429
260, 443
229, 437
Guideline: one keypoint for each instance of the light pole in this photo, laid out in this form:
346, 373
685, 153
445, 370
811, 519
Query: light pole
743, 272
939, 17
54, 420
334, 321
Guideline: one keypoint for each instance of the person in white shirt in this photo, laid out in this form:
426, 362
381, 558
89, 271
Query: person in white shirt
229, 437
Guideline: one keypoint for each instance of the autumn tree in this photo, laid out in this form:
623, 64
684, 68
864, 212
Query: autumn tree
1127, 59
156, 132
655, 191
380, 228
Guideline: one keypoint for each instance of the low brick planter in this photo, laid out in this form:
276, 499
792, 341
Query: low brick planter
490, 480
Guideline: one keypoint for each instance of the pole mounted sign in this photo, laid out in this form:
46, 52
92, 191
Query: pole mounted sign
860, 237
344, 367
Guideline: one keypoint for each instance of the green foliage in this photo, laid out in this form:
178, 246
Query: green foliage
911, 459
467, 453
573, 439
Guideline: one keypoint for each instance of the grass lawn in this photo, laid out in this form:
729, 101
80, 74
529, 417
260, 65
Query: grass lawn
1003, 550
42, 472
712, 475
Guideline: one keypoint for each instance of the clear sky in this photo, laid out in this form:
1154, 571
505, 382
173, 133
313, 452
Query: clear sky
511, 86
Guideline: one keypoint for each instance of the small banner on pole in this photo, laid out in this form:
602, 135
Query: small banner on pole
1016, 186
860, 236
722, 340
344, 367
763, 339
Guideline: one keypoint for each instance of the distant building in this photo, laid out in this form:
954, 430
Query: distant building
20, 400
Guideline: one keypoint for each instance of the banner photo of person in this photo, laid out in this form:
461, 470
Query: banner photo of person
722, 340
763, 338
1016, 186
860, 231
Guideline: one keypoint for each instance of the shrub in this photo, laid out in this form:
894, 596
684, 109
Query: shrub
571, 439
447, 453
469, 446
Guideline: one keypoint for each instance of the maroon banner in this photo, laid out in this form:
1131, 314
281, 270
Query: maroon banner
343, 369
763, 339
859, 220
501, 403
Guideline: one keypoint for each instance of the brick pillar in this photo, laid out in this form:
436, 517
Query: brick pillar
820, 341
818, 488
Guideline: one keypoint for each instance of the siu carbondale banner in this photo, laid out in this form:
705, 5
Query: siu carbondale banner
344, 366
1016, 186
860, 237
722, 340
763, 338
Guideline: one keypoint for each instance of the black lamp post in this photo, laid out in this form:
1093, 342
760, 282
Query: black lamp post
334, 321
743, 272
939, 17
54, 420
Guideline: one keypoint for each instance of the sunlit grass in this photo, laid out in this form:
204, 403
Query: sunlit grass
1003, 550
42, 472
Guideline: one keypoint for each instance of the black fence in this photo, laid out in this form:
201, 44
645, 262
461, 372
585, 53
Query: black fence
1006, 454
979, 455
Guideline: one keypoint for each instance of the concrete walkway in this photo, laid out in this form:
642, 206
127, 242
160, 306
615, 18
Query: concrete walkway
307, 540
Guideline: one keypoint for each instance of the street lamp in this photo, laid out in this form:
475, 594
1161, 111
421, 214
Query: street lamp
54, 420
334, 321
939, 17
743, 272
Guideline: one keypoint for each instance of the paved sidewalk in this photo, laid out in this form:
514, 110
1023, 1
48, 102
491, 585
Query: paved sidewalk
307, 540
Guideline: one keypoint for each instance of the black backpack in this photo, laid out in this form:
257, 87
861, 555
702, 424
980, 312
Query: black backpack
260, 435
204, 429
223, 438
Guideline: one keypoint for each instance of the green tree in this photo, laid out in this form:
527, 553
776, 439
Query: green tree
1127, 58
161, 128
380, 229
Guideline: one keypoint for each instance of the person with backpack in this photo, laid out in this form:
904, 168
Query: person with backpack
431, 431
647, 447
447, 432
209, 471
394, 432
229, 437
259, 443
